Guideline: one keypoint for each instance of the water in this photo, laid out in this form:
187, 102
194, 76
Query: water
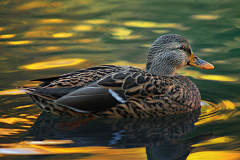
41, 39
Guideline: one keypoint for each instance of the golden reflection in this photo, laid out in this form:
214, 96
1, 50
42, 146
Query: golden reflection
83, 28
50, 48
161, 31
32, 5
37, 4
44, 142
53, 21
212, 50
11, 92
34, 34
32, 116
221, 62
62, 35
96, 21
46, 28
218, 78
23, 115
43, 148
205, 17
146, 24
49, 142
2, 28
26, 83
87, 40
214, 141
53, 48
25, 106
229, 105
53, 64
214, 155
3, 58
212, 112
199, 75
19, 42
5, 36
5, 131
236, 114
147, 45
13, 120
123, 33
26, 126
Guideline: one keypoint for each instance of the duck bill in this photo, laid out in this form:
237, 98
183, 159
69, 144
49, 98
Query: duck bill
197, 62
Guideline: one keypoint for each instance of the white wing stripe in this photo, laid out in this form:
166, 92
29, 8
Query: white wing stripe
116, 96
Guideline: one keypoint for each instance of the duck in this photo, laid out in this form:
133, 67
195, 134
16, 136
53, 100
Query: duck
115, 91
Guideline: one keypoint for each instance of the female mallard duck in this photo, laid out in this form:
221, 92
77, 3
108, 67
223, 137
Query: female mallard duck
125, 91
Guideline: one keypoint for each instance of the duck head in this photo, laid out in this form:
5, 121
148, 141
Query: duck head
170, 52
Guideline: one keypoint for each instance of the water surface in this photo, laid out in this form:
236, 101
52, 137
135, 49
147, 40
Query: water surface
41, 39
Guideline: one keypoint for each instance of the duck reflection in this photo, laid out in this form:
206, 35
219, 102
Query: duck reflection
158, 134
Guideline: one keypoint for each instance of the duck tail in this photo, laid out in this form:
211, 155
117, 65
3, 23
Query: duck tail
31, 92
27, 89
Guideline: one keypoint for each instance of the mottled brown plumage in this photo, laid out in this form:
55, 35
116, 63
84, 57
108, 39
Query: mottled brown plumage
124, 91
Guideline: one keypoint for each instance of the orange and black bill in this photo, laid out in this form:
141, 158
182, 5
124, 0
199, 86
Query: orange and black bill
197, 62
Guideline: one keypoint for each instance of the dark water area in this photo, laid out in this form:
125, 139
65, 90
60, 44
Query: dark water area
46, 38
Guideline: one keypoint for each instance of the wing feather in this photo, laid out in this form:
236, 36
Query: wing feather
133, 84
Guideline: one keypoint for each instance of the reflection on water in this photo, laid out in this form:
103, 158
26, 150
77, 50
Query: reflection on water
136, 131
53, 64
222, 111
148, 138
41, 39
158, 135
205, 17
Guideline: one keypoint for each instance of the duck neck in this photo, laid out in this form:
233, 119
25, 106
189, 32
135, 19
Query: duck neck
162, 70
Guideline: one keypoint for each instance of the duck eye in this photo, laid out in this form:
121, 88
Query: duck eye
181, 47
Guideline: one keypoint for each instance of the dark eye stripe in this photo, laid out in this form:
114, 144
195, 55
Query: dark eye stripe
186, 49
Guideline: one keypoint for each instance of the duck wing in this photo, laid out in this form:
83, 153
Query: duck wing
95, 97
56, 87
133, 84
49, 93
92, 98
110, 90
78, 78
